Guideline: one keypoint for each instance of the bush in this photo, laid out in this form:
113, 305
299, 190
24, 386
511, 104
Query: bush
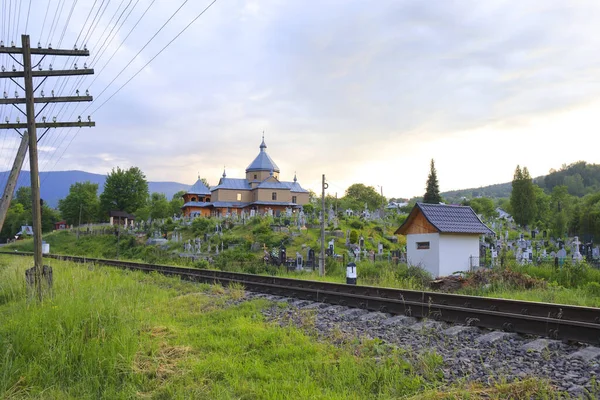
353, 237
356, 224
201, 264
593, 288
202, 225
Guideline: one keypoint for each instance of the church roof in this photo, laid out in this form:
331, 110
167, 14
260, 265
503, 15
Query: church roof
291, 186
295, 187
262, 162
232, 183
199, 188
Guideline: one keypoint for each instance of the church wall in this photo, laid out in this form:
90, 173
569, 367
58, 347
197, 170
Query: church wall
301, 198
260, 175
266, 195
204, 211
195, 197
231, 195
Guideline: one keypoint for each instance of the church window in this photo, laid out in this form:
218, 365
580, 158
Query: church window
294, 199
274, 196
239, 197
255, 176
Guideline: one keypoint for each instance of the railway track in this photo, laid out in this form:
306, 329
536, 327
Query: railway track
555, 321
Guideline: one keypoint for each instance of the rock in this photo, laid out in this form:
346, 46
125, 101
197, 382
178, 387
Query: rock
586, 354
539, 345
352, 313
494, 337
399, 320
427, 325
460, 331
373, 316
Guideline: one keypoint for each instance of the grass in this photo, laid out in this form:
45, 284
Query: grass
115, 334
572, 284
112, 334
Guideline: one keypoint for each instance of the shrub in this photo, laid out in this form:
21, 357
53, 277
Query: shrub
593, 288
201, 264
353, 237
356, 224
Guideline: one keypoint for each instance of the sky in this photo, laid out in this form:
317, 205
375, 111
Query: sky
363, 92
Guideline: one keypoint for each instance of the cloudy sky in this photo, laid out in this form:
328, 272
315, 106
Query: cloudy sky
361, 91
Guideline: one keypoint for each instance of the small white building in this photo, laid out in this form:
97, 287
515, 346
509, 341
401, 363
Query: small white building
441, 238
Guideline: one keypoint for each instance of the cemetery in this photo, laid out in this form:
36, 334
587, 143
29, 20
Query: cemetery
379, 243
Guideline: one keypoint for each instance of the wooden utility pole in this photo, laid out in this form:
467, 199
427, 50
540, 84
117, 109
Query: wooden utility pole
9, 189
322, 256
28, 74
79, 224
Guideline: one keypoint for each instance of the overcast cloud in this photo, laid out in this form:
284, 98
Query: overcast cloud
359, 91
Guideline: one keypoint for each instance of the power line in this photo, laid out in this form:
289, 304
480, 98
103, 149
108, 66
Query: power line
122, 42
152, 59
28, 12
66, 132
142, 49
44, 23
67, 23
61, 4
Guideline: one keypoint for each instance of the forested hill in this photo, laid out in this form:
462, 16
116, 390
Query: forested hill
580, 178
55, 184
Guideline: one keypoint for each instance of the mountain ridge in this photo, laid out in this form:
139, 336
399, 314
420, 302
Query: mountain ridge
54, 185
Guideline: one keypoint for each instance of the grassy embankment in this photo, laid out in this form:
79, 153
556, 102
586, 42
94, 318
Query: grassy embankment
107, 333
576, 285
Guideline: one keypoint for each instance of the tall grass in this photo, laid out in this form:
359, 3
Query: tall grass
112, 334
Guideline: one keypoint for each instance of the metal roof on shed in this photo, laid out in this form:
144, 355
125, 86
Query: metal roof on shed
448, 219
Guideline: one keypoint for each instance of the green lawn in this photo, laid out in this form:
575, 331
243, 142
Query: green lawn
107, 333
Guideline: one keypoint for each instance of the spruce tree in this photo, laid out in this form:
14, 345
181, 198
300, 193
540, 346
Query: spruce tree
432, 191
522, 197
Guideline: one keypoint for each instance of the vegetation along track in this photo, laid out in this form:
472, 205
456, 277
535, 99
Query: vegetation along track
556, 321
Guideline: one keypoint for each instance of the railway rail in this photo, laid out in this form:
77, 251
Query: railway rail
556, 321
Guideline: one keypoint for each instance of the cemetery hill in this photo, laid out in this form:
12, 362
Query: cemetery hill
532, 238
117, 334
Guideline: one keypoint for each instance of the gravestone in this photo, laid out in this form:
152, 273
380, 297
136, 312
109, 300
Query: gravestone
361, 242
299, 261
331, 246
310, 257
252, 213
576, 254
379, 248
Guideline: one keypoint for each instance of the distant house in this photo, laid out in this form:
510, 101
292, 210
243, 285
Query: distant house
121, 218
26, 230
394, 205
60, 225
503, 214
441, 238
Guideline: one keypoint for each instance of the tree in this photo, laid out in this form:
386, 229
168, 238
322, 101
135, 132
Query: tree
358, 194
82, 198
23, 197
483, 206
49, 217
159, 206
522, 197
124, 190
432, 191
176, 203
